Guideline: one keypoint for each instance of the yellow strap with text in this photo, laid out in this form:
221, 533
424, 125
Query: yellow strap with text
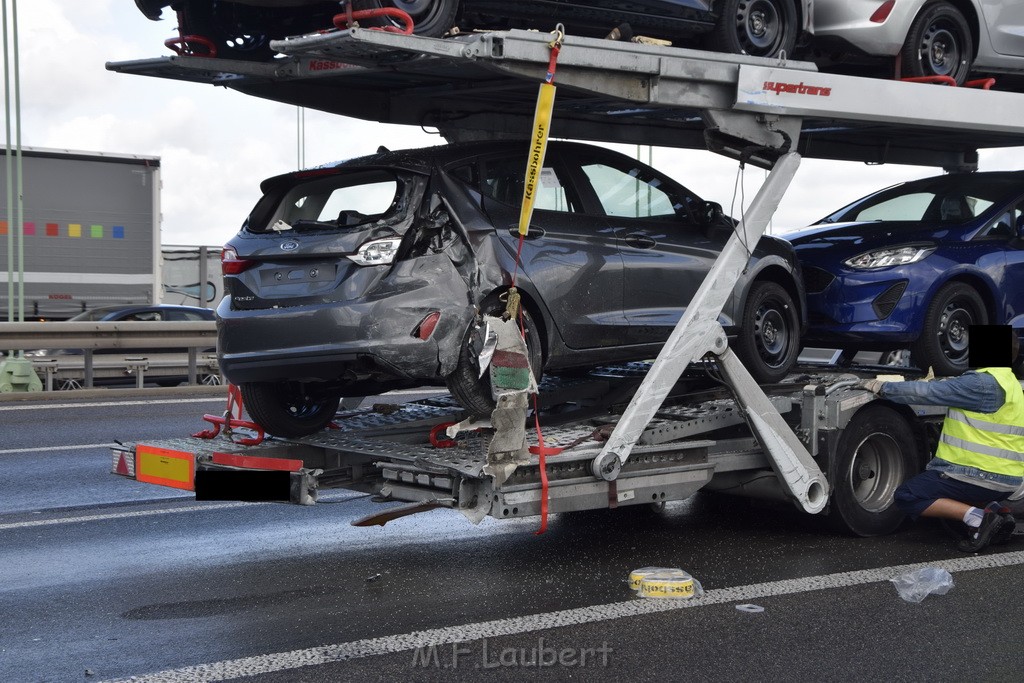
538, 146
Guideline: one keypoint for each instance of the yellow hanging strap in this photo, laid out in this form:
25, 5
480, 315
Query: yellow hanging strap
541, 128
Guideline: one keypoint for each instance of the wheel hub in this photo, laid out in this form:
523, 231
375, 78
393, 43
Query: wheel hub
759, 27
758, 24
941, 52
876, 471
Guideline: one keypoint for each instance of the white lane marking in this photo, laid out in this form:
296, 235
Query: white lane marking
105, 404
117, 515
337, 497
282, 661
40, 449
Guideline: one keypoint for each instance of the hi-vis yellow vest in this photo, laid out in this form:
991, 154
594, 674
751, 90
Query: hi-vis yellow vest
991, 442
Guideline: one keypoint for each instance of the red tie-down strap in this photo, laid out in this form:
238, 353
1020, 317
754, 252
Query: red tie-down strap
347, 18
230, 422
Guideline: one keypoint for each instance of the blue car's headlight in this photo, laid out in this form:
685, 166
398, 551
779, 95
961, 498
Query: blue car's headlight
886, 258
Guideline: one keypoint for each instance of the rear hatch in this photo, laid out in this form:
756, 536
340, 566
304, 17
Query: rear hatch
320, 237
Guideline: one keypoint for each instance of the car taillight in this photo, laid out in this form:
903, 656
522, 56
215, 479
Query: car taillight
426, 326
230, 264
882, 13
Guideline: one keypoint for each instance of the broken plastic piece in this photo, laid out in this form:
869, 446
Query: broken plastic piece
915, 586
747, 607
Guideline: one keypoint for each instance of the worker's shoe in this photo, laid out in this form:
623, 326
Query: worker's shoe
994, 525
1009, 523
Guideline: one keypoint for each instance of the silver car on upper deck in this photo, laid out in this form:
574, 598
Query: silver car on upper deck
954, 38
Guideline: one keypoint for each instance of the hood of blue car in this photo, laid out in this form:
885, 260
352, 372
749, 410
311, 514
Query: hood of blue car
859, 236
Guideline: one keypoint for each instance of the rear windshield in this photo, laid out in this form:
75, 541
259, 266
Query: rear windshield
332, 202
948, 199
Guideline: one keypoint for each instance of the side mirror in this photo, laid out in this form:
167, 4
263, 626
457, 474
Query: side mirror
713, 213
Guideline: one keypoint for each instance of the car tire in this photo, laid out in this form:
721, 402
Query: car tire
877, 452
473, 392
431, 18
943, 342
762, 28
939, 43
769, 338
288, 409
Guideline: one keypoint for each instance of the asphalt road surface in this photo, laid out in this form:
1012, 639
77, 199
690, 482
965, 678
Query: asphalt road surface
103, 578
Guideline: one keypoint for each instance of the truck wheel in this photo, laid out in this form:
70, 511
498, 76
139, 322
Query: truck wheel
431, 18
473, 392
877, 453
288, 409
762, 28
944, 338
769, 337
938, 44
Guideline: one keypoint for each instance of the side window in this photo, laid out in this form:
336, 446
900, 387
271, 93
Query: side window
189, 316
147, 316
1007, 224
504, 179
625, 193
908, 207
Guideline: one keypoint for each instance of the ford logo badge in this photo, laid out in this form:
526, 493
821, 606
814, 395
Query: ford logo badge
289, 246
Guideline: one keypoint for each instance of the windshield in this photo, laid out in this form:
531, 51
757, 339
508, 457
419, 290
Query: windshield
950, 199
336, 201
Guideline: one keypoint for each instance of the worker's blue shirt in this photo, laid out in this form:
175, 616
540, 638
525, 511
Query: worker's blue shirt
975, 391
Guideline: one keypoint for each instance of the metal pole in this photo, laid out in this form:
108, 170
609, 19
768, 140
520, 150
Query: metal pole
18, 163
10, 176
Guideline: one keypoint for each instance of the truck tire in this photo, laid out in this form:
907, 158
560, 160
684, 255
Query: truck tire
877, 452
288, 409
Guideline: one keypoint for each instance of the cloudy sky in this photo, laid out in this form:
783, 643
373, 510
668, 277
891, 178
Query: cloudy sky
216, 145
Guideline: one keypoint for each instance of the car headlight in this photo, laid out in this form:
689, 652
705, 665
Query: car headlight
886, 258
377, 252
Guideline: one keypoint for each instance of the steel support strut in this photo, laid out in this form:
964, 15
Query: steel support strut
697, 333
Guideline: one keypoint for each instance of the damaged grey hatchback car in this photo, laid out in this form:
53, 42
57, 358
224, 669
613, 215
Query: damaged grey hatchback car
374, 273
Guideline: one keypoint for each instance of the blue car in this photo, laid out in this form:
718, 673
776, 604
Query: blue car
913, 265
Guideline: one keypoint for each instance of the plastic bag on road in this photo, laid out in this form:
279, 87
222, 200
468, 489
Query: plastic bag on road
915, 586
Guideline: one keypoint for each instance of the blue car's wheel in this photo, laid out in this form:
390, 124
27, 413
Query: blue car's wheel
944, 339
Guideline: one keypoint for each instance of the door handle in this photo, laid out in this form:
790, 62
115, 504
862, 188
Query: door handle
534, 233
640, 241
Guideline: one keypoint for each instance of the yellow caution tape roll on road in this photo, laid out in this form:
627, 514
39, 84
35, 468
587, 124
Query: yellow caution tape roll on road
666, 583
638, 575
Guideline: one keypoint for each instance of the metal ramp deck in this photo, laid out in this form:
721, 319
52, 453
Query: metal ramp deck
484, 85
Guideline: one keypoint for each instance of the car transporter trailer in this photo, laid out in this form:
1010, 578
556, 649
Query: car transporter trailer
642, 433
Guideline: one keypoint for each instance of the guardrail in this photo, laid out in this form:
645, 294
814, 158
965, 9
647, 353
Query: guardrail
143, 342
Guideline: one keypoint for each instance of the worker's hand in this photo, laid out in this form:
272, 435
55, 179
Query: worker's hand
872, 385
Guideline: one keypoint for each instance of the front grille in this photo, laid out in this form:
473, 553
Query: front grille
887, 300
816, 279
